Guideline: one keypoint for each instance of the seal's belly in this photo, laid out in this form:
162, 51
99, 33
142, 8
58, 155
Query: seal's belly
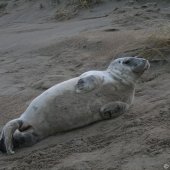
72, 111
68, 110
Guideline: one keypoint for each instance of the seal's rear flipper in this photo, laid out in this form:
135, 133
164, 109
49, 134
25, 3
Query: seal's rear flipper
6, 138
2, 146
24, 139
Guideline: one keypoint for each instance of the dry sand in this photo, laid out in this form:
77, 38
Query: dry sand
38, 50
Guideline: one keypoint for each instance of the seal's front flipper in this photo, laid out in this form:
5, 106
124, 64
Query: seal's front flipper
87, 84
113, 110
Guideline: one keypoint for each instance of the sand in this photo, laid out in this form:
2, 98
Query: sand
39, 48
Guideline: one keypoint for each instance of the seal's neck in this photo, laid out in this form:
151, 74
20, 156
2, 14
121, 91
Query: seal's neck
122, 77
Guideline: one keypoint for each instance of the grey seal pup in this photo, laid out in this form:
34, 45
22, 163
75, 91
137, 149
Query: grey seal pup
91, 97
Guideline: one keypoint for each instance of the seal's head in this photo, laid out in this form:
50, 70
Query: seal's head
131, 66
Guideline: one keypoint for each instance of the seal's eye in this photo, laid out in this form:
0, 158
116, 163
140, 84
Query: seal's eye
126, 62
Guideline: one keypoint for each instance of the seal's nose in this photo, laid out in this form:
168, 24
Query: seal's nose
134, 61
145, 62
140, 65
141, 60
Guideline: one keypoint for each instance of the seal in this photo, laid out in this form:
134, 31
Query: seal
91, 97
